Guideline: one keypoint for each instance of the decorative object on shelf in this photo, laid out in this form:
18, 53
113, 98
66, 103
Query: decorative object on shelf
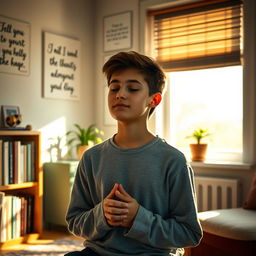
11, 116
118, 31
85, 138
61, 67
11, 119
15, 46
198, 150
28, 127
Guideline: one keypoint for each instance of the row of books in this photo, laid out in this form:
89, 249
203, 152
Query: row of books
16, 216
17, 162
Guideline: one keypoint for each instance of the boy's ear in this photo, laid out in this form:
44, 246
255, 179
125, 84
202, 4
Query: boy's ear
156, 99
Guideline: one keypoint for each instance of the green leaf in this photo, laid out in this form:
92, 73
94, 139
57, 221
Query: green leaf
89, 136
199, 134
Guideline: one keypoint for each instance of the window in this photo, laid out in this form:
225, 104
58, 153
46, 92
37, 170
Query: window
199, 45
215, 104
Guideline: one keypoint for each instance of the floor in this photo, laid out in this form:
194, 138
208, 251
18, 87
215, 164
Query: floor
47, 237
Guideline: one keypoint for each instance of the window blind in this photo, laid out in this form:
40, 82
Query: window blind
201, 35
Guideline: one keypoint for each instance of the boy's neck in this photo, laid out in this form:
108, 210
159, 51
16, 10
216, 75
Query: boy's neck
129, 136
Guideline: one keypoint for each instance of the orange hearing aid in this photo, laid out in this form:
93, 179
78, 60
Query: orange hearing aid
157, 99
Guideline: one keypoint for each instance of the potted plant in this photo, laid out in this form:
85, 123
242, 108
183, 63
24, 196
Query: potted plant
198, 150
85, 138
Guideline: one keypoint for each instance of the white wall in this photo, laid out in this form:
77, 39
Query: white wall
72, 18
105, 8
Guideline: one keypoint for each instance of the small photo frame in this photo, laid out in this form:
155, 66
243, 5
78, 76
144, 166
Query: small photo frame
117, 31
9, 110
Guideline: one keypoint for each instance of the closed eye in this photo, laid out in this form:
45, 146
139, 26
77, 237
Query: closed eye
133, 89
113, 89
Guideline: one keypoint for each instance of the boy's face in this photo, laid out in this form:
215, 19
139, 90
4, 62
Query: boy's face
128, 97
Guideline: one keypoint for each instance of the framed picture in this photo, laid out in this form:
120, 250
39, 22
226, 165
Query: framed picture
61, 67
15, 46
118, 31
7, 111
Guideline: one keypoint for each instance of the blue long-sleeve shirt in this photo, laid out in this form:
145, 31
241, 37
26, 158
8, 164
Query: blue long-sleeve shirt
158, 177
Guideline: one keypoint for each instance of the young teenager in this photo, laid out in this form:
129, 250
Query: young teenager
133, 194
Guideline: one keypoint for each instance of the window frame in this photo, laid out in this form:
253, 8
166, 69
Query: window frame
214, 155
248, 62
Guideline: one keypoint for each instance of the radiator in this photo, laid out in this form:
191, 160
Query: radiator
216, 193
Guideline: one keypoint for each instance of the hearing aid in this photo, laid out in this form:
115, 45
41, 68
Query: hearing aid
156, 99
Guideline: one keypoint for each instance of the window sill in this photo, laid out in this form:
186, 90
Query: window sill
223, 165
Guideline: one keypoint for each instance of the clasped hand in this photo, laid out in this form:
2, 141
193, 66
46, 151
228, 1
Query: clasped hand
120, 213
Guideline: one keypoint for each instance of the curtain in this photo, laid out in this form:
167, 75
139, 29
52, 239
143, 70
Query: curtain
201, 35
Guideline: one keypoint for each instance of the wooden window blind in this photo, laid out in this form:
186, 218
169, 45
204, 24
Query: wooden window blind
200, 35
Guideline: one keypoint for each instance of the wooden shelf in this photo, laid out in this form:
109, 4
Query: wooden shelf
34, 188
18, 186
18, 132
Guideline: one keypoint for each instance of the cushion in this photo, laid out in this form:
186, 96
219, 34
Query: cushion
237, 223
250, 202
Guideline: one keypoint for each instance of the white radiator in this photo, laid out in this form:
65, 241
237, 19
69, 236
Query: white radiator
216, 193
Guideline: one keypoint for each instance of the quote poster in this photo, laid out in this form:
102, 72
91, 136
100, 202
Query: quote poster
61, 67
117, 31
14, 46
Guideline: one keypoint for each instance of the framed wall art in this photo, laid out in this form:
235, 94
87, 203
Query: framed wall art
14, 46
117, 31
61, 67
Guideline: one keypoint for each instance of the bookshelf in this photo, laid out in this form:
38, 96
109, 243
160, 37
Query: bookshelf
25, 185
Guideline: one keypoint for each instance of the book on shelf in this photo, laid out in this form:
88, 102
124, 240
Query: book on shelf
29, 169
6, 163
15, 216
10, 159
17, 162
23, 216
1, 162
2, 218
30, 215
22, 167
29, 161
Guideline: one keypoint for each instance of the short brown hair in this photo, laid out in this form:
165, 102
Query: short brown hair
152, 72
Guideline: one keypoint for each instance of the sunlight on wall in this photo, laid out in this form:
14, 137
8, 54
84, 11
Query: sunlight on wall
54, 140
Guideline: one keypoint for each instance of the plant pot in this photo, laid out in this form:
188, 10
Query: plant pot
198, 152
81, 150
